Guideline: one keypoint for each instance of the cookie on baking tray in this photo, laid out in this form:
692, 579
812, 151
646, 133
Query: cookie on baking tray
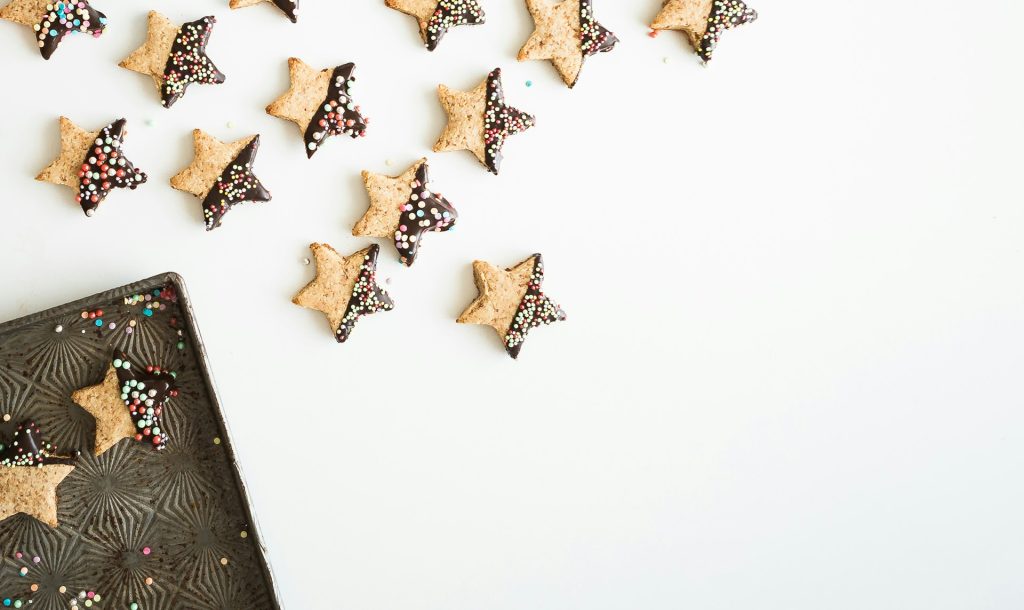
320, 103
511, 301
289, 7
221, 175
128, 403
436, 17
345, 288
30, 471
175, 57
404, 208
55, 20
92, 163
703, 21
479, 121
566, 33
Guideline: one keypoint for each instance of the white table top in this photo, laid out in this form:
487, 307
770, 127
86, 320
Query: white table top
791, 374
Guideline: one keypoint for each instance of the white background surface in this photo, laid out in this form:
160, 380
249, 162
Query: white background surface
791, 378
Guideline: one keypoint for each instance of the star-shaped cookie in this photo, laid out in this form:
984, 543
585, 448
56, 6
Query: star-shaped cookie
288, 7
128, 403
345, 288
30, 471
403, 208
511, 301
175, 57
479, 121
703, 21
221, 175
566, 33
320, 103
92, 163
436, 17
55, 20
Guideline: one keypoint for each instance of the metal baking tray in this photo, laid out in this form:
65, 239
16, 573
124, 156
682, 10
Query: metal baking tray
166, 529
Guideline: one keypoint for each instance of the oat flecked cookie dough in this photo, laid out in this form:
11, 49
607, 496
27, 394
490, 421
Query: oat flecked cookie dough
320, 103
511, 301
221, 175
55, 20
92, 163
30, 471
479, 121
345, 288
175, 57
289, 7
703, 21
566, 33
404, 208
436, 17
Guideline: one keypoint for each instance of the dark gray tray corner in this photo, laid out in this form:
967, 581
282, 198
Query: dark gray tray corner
189, 516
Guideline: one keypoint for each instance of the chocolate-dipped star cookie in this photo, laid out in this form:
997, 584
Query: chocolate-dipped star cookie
221, 175
55, 20
128, 403
30, 471
320, 103
175, 57
703, 21
92, 163
479, 121
436, 17
404, 208
345, 288
288, 7
511, 301
566, 33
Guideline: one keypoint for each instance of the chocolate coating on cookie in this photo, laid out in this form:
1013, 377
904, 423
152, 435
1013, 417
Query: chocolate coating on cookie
188, 62
500, 121
338, 114
425, 211
105, 168
535, 309
145, 391
367, 297
594, 37
28, 448
725, 15
448, 14
66, 18
237, 183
